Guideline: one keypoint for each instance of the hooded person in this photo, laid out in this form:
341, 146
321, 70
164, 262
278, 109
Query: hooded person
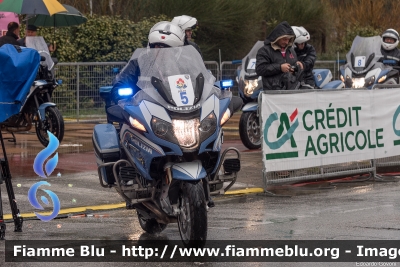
274, 61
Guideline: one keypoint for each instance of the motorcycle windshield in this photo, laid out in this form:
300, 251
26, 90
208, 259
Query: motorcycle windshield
364, 53
38, 43
175, 78
249, 61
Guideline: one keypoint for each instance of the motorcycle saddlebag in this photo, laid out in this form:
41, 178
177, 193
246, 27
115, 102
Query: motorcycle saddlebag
106, 149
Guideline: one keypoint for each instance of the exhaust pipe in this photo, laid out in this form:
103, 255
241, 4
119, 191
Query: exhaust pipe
163, 217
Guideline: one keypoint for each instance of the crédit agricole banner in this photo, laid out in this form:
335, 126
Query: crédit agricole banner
329, 127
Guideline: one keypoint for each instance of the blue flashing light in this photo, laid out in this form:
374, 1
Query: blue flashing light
390, 62
226, 83
125, 91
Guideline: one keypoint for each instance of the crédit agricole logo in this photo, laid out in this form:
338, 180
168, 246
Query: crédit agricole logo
288, 124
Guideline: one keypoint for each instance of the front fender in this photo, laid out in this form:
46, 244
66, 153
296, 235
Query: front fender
42, 109
188, 171
249, 107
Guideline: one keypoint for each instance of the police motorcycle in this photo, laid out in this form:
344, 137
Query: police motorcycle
363, 68
38, 109
165, 153
250, 86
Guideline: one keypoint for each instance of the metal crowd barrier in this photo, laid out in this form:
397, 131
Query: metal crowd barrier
78, 97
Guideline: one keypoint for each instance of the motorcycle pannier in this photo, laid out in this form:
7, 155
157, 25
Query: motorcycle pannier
106, 147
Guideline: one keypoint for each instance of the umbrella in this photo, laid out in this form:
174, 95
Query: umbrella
63, 19
47, 7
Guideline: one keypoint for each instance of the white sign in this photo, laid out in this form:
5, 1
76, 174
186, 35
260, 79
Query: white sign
359, 61
320, 128
181, 89
252, 64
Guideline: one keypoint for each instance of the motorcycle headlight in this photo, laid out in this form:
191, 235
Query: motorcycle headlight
382, 79
136, 124
369, 81
358, 82
207, 126
186, 132
250, 86
226, 116
163, 130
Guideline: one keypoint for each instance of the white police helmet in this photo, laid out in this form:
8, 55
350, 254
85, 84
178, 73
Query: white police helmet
166, 34
391, 33
185, 22
302, 35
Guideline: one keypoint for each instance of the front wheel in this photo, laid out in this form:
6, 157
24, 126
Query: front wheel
53, 122
249, 130
192, 220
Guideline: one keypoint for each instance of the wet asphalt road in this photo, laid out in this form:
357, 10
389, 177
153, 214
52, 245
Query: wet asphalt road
357, 211
362, 211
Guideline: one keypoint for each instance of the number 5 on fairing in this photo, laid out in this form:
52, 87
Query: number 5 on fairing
184, 98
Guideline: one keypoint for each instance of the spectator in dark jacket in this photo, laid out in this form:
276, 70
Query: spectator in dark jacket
306, 54
275, 59
389, 43
11, 36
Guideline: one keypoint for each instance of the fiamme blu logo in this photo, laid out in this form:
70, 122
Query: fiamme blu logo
44, 170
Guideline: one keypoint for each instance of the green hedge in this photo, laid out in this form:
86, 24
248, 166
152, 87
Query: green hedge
100, 39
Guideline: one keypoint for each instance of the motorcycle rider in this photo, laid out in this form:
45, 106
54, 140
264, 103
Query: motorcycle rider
274, 61
188, 24
162, 34
389, 42
306, 54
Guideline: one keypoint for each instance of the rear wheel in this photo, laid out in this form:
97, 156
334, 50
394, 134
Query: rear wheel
192, 220
53, 123
150, 226
249, 130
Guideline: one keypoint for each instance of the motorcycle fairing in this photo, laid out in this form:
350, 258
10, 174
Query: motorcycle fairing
218, 106
188, 171
39, 44
337, 84
364, 53
248, 71
371, 77
323, 76
139, 149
